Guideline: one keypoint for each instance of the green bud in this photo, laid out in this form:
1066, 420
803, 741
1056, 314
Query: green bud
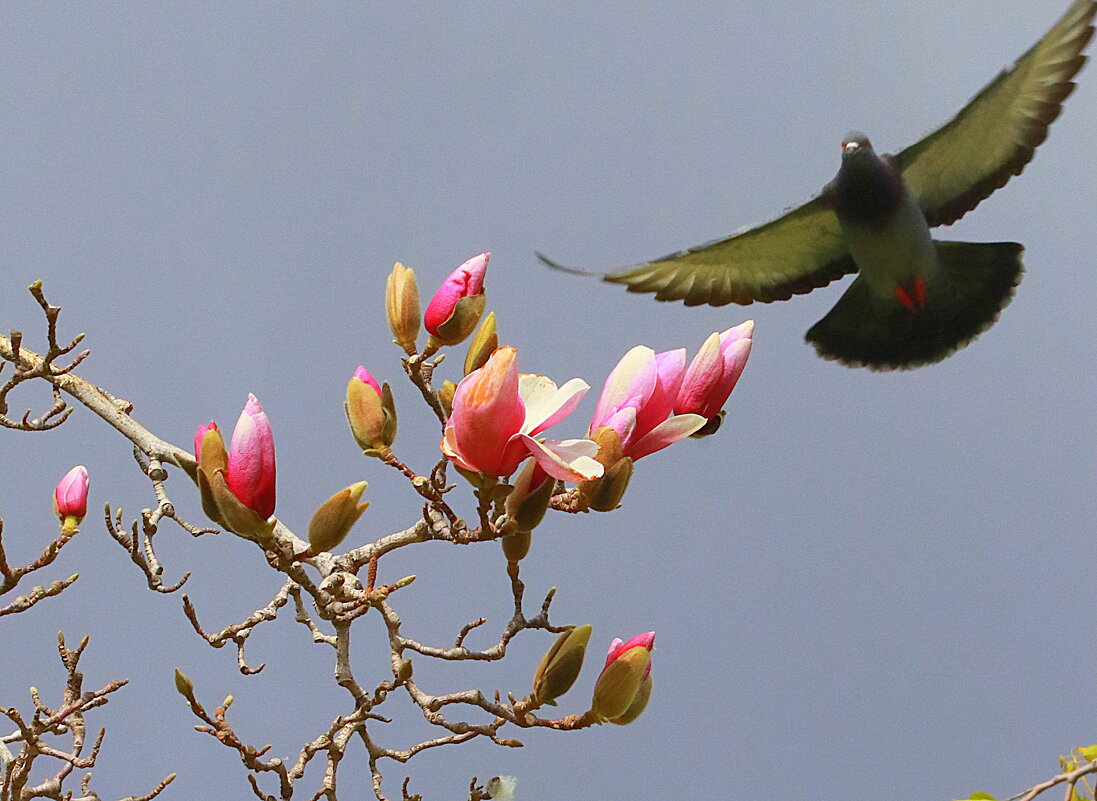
559, 668
527, 507
402, 306
483, 344
445, 396
214, 458
619, 683
609, 454
606, 496
638, 703
333, 520
403, 673
516, 546
183, 685
372, 417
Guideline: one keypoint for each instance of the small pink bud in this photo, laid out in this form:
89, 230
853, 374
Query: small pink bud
370, 412
362, 374
447, 319
200, 435
251, 472
70, 499
628, 666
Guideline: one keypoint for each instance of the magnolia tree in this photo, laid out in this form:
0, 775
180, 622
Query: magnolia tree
491, 427
490, 432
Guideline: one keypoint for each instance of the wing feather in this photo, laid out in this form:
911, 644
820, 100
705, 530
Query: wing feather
995, 135
793, 254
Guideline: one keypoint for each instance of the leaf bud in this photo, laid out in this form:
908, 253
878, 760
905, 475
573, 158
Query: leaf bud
333, 520
560, 666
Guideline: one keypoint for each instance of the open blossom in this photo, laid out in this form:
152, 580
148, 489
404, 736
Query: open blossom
70, 498
497, 413
639, 396
714, 371
456, 307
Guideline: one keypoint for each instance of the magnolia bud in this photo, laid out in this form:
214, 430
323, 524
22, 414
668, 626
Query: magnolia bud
455, 309
606, 495
559, 668
70, 497
371, 413
212, 459
333, 520
638, 703
627, 665
516, 546
526, 506
402, 306
609, 455
183, 685
233, 514
483, 344
445, 397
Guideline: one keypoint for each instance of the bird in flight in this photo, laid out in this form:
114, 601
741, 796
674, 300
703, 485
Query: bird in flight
915, 299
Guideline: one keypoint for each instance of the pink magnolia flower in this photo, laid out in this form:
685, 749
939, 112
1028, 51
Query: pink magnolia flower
639, 396
70, 499
465, 281
715, 369
497, 413
250, 473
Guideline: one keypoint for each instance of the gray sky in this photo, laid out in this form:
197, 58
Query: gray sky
865, 584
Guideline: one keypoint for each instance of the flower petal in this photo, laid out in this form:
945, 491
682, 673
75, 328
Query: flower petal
670, 367
487, 411
568, 460
630, 383
547, 408
667, 433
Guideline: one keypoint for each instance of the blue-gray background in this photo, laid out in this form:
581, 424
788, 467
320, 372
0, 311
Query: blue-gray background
865, 585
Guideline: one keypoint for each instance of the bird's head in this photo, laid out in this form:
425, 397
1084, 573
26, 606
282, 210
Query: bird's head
856, 145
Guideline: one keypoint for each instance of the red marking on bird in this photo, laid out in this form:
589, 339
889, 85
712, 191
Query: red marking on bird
913, 296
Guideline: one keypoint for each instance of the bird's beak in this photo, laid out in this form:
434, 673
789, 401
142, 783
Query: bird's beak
849, 147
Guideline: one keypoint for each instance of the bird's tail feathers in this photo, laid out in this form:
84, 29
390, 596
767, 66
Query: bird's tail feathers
973, 283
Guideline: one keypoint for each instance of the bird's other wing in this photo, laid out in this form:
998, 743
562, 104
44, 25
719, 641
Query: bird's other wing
794, 254
994, 136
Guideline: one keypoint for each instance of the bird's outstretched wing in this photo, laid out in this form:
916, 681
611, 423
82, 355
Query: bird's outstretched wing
994, 136
794, 254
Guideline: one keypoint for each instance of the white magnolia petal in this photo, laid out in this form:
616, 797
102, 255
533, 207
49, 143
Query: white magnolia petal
566, 460
545, 409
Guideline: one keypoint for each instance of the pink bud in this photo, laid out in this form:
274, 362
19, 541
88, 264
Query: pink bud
617, 648
714, 371
362, 374
70, 499
198, 437
251, 472
466, 281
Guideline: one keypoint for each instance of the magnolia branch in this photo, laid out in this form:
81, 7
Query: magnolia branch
67, 720
11, 576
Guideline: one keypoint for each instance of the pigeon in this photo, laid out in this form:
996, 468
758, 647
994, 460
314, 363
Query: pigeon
915, 299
